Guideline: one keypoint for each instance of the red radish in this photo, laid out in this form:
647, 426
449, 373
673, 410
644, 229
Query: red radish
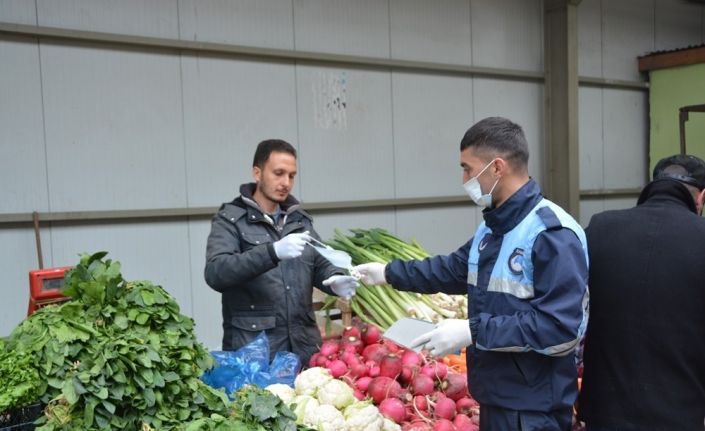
358, 370
438, 395
390, 366
406, 375
330, 348
464, 405
370, 334
349, 358
443, 425
455, 386
373, 371
381, 388
312, 362
362, 383
337, 368
475, 419
393, 409
322, 361
420, 403
392, 347
359, 395
374, 352
411, 359
351, 331
416, 426
435, 370
422, 385
463, 423
352, 344
444, 409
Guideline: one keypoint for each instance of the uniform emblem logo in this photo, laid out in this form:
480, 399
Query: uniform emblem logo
516, 261
483, 242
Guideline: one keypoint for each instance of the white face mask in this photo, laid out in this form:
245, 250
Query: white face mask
474, 190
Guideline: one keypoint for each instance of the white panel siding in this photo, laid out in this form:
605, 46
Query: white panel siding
263, 23
439, 230
521, 102
342, 27
591, 138
431, 115
625, 138
678, 24
345, 134
229, 107
628, 33
507, 34
619, 203
18, 256
22, 158
157, 18
431, 31
18, 11
158, 252
113, 127
206, 302
590, 38
588, 208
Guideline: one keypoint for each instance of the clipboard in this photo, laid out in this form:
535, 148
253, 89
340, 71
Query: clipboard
406, 329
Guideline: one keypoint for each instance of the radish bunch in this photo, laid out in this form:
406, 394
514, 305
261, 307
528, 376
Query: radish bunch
415, 391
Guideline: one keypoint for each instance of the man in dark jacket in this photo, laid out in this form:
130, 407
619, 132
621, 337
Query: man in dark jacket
645, 342
525, 272
257, 258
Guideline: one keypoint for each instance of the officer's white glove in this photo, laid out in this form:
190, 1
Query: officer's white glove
371, 273
291, 246
342, 285
449, 335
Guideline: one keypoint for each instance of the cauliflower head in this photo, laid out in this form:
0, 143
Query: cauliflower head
363, 416
285, 392
305, 407
390, 425
336, 393
330, 419
308, 381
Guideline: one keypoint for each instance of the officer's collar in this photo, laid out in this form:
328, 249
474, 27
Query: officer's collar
505, 217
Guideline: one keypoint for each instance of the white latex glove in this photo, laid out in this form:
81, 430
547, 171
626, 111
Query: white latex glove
342, 285
371, 273
291, 246
449, 335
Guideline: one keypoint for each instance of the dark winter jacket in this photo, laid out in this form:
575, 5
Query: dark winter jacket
523, 334
260, 292
645, 342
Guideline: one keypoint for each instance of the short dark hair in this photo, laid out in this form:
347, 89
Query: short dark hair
266, 147
498, 135
684, 168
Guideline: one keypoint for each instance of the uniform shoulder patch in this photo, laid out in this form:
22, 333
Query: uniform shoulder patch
548, 217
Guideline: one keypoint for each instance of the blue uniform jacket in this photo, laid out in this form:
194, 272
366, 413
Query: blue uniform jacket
521, 354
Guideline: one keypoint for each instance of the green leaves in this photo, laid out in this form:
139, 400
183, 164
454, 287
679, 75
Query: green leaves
20, 379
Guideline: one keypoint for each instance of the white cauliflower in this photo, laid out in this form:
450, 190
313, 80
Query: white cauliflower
308, 382
305, 407
390, 425
336, 393
329, 419
285, 392
363, 416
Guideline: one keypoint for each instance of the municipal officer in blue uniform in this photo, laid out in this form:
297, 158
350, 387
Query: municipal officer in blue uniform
525, 271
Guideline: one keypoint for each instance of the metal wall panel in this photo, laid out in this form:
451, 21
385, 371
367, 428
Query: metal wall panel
628, 32
591, 138
439, 230
158, 18
158, 252
431, 114
18, 256
345, 134
521, 102
23, 172
113, 128
678, 24
18, 11
588, 208
625, 138
229, 107
206, 302
326, 223
263, 23
619, 203
590, 38
431, 31
507, 34
342, 27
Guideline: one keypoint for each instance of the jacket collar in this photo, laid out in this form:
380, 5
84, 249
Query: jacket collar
247, 191
505, 217
667, 190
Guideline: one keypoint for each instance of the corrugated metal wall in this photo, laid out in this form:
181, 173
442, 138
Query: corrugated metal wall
89, 127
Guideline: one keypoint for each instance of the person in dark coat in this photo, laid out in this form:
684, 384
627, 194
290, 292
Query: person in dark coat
257, 258
645, 342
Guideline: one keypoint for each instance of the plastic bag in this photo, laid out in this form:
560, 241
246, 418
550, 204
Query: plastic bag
250, 365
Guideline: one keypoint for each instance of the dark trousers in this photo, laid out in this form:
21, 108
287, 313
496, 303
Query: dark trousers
499, 419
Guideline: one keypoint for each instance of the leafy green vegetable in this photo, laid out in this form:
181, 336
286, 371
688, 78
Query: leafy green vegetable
21, 385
